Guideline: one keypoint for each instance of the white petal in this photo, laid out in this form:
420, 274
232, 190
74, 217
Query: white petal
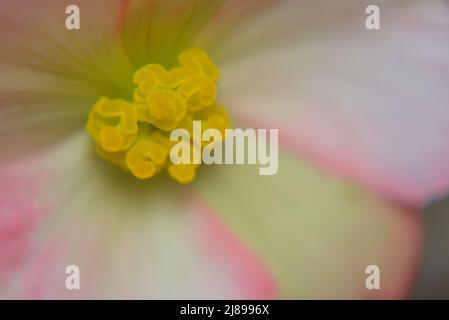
371, 105
317, 233
130, 238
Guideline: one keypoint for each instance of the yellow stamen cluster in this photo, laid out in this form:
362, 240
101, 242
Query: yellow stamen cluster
136, 135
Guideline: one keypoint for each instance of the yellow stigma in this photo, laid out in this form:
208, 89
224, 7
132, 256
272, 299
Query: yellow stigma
134, 135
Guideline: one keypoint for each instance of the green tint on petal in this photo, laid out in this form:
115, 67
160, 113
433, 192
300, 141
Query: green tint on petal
50, 76
157, 31
91, 56
315, 233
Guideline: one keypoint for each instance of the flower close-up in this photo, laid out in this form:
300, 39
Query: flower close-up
92, 93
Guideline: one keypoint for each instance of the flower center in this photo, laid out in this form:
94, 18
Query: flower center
135, 135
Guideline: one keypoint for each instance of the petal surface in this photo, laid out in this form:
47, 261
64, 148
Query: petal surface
316, 233
140, 240
158, 30
371, 105
130, 239
51, 76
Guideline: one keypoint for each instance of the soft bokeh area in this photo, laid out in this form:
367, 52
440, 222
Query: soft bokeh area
363, 122
432, 280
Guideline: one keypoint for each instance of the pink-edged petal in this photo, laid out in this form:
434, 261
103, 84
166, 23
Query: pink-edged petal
130, 239
370, 105
315, 232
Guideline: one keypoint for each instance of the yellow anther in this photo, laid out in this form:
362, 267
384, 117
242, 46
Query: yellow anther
135, 135
163, 140
198, 92
146, 75
106, 107
168, 79
187, 123
145, 158
183, 173
143, 91
164, 109
193, 103
218, 122
113, 124
111, 139
160, 107
201, 62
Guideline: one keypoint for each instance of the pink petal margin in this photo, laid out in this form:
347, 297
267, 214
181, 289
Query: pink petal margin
20, 215
253, 277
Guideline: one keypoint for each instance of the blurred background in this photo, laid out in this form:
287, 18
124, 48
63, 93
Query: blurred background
433, 276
